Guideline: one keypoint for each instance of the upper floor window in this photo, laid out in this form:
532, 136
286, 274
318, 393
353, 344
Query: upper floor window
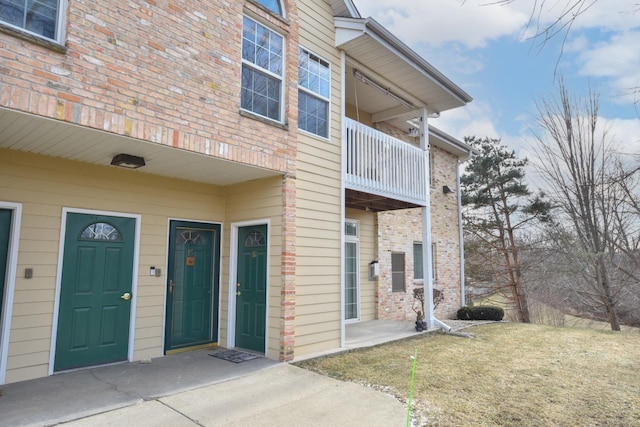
272, 5
39, 17
262, 69
313, 94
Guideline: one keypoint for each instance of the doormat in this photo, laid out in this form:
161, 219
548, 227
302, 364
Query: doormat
234, 356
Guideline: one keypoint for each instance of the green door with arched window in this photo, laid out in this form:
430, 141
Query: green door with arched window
192, 285
95, 291
251, 288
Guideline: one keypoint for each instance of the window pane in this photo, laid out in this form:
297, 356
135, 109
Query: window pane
418, 271
397, 272
101, 231
312, 114
260, 93
262, 49
313, 111
316, 71
39, 16
272, 5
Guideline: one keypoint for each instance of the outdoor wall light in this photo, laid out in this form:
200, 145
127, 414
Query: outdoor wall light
446, 189
127, 161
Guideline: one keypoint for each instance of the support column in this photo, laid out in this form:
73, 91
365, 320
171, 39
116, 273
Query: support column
288, 292
426, 224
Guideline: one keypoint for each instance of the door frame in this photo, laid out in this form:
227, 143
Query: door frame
233, 278
166, 269
134, 279
355, 240
9, 284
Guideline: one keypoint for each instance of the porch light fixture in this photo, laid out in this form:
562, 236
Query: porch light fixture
387, 91
446, 189
127, 161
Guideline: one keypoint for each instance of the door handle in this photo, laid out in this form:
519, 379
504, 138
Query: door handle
170, 286
238, 293
126, 296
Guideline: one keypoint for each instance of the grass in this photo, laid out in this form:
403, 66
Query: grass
510, 374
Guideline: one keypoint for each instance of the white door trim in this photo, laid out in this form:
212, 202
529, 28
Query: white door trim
356, 240
9, 284
134, 278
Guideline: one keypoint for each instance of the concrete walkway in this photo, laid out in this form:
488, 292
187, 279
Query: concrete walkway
193, 388
284, 395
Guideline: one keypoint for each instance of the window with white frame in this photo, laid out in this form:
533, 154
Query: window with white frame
418, 267
262, 69
397, 272
273, 5
313, 93
40, 17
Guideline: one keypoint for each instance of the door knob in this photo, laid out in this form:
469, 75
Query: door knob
238, 293
170, 286
126, 296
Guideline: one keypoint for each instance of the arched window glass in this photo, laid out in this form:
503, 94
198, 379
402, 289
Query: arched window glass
272, 5
101, 231
255, 238
190, 237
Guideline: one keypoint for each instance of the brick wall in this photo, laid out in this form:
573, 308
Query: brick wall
397, 232
164, 72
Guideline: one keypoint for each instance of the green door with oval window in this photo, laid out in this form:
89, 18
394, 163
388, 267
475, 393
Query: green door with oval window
95, 291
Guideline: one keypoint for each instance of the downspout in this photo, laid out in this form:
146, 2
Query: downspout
463, 289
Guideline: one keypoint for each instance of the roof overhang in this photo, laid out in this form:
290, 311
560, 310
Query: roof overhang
450, 144
38, 135
369, 45
344, 8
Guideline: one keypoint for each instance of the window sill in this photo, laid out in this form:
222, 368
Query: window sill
314, 136
49, 44
263, 119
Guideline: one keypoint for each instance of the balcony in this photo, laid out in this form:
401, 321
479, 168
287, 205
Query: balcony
382, 172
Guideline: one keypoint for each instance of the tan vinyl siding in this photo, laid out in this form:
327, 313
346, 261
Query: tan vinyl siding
45, 186
318, 208
256, 200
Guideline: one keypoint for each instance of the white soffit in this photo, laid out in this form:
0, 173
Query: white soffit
368, 43
38, 135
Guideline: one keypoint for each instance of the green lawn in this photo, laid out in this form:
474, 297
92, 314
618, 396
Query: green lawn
510, 374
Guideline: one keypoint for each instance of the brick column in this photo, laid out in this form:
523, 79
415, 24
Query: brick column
288, 292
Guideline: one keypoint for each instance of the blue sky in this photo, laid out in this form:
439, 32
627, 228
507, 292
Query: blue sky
487, 50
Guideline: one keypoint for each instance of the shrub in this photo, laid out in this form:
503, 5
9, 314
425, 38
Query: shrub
480, 312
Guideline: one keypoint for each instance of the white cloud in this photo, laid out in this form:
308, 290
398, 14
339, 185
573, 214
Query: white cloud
444, 21
616, 59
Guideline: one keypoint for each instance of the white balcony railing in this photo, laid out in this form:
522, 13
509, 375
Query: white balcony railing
379, 164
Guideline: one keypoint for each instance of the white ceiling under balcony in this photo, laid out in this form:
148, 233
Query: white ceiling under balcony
34, 134
391, 64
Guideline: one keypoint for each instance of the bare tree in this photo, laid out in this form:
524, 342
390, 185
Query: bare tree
581, 168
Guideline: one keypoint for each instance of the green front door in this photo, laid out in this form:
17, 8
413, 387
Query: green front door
192, 285
5, 231
95, 294
251, 289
